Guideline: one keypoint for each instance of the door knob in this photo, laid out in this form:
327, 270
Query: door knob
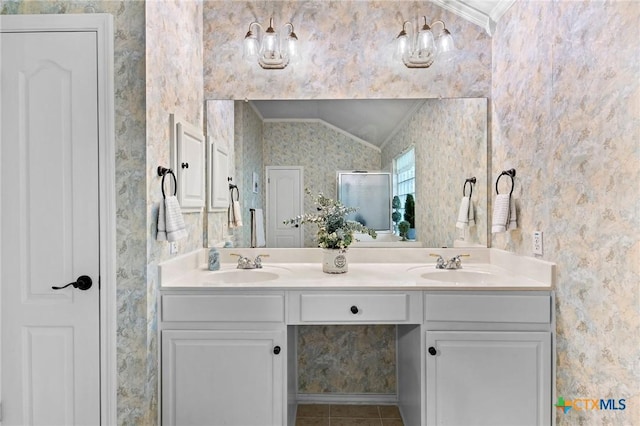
432, 351
83, 282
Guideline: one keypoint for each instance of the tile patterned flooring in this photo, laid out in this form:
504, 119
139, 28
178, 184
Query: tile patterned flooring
348, 415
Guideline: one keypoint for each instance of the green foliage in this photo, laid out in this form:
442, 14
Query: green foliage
410, 211
396, 202
403, 227
334, 231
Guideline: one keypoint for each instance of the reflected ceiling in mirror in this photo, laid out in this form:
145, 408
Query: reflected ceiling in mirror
374, 121
449, 137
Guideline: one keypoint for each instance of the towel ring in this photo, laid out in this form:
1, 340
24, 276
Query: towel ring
231, 189
511, 173
471, 181
175, 182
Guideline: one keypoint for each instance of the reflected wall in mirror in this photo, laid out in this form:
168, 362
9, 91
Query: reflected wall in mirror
448, 136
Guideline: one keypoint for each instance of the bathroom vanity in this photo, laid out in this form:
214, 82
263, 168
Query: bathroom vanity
474, 345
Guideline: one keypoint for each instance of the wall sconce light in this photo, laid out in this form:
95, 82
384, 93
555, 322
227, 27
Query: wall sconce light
422, 48
268, 52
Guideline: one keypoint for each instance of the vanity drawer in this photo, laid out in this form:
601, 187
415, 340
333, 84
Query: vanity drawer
223, 307
496, 308
355, 307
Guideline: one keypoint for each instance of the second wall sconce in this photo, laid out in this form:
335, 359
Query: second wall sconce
421, 49
268, 51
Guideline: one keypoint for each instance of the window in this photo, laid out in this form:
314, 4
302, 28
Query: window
404, 177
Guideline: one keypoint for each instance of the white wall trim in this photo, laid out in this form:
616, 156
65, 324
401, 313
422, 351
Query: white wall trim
347, 398
102, 25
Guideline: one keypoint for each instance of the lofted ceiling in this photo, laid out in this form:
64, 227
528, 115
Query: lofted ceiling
370, 120
375, 121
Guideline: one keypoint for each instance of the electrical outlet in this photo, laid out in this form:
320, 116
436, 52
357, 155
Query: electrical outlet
173, 247
537, 242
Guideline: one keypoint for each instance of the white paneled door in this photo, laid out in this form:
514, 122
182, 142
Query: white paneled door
284, 201
49, 226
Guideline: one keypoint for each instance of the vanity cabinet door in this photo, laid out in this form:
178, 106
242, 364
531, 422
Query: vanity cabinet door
488, 378
223, 377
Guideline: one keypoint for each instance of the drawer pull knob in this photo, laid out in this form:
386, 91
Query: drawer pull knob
354, 309
276, 350
432, 351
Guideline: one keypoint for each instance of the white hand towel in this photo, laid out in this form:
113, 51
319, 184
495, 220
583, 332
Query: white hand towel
235, 215
504, 214
257, 229
466, 214
171, 225
513, 220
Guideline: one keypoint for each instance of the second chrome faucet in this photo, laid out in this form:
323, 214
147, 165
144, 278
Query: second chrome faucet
454, 263
246, 263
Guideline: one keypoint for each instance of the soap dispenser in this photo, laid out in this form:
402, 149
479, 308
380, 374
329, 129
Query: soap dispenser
214, 259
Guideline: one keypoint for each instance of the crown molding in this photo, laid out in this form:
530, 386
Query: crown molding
482, 13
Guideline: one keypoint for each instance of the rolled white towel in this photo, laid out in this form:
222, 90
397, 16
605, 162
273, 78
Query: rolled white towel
504, 214
171, 225
235, 215
501, 209
466, 214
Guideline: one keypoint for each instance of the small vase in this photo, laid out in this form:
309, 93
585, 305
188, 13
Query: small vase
334, 261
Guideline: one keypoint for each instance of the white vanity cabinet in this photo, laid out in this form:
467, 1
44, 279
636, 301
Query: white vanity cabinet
223, 359
488, 358
473, 355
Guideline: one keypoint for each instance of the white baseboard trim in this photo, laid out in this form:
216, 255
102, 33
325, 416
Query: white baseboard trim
347, 398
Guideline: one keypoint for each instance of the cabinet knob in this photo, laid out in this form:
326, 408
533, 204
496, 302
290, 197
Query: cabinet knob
432, 351
185, 165
276, 350
354, 309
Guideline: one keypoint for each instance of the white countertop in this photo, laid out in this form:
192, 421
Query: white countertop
492, 271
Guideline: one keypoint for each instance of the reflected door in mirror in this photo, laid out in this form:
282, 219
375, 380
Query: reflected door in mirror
284, 201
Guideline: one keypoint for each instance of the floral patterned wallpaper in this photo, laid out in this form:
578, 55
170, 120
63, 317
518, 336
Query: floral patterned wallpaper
566, 116
346, 49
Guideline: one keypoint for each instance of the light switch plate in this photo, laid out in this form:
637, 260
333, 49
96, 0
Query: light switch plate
537, 242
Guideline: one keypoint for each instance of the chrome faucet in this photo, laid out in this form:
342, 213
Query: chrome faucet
454, 263
246, 263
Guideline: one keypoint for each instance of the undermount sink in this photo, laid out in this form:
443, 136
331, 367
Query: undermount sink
235, 276
461, 276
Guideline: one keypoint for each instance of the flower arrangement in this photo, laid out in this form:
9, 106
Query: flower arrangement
334, 230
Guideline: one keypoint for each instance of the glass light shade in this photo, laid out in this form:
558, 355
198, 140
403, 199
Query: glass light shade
270, 48
402, 46
425, 44
292, 47
250, 47
445, 42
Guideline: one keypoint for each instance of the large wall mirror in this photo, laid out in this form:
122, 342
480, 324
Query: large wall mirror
430, 147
